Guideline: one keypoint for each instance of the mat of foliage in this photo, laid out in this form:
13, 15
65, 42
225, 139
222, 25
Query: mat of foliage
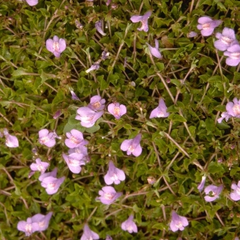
112, 59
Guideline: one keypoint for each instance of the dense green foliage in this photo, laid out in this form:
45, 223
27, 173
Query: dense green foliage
193, 80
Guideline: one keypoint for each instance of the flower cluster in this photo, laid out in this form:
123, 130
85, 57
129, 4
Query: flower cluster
226, 41
36, 223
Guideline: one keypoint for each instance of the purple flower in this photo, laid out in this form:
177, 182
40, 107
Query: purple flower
143, 19
53, 173
98, 26
74, 96
47, 138
39, 166
155, 50
207, 25
235, 195
75, 139
95, 66
233, 110
36, 223
117, 110
212, 192
129, 225
108, 195
108, 237
32, 2
160, 111
178, 222
88, 233
42, 220
97, 103
201, 185
233, 54
191, 34
114, 175
11, 141
28, 227
87, 116
105, 55
132, 146
74, 162
225, 39
56, 45
52, 184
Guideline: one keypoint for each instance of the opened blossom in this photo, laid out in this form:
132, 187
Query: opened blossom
39, 166
178, 222
74, 162
233, 110
53, 173
11, 141
75, 139
235, 195
233, 55
225, 39
37, 223
56, 45
143, 19
117, 109
129, 225
52, 184
207, 25
47, 138
155, 50
88, 234
132, 146
108, 195
97, 103
114, 175
212, 192
87, 116
160, 111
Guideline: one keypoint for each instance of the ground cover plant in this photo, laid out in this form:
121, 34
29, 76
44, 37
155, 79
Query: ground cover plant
119, 119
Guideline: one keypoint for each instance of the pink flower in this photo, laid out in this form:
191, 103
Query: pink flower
160, 111
235, 195
233, 110
39, 166
32, 2
87, 116
178, 222
75, 139
132, 146
207, 25
225, 39
117, 110
155, 50
56, 45
233, 55
37, 223
53, 173
47, 138
94, 66
129, 225
11, 141
212, 192
108, 195
74, 162
114, 175
143, 19
52, 184
97, 103
88, 234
